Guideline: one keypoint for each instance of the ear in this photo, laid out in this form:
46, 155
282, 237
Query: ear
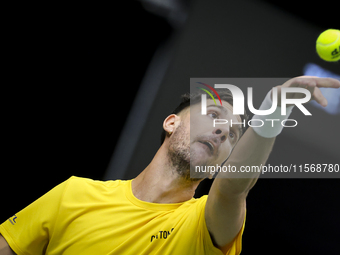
170, 123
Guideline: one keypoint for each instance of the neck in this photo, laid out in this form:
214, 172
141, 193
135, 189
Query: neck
160, 182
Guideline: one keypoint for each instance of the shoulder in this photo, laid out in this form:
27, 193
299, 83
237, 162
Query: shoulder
75, 180
82, 188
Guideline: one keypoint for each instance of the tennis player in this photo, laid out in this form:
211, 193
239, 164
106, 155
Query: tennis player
155, 213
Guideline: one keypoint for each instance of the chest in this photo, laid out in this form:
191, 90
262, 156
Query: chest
112, 230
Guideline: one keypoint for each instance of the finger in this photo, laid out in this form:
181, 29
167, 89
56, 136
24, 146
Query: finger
327, 83
319, 97
307, 82
312, 81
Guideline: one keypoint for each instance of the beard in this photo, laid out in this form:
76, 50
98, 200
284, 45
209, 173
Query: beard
179, 155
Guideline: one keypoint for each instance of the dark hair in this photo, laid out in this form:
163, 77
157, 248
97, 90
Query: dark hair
192, 99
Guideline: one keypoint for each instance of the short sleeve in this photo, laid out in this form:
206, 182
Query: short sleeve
234, 248
28, 231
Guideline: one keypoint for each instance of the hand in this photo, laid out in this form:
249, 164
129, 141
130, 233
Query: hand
312, 83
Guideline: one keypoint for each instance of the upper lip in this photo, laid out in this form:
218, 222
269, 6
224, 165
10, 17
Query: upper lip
213, 145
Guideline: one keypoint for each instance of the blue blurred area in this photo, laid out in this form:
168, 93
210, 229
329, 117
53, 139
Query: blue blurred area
332, 95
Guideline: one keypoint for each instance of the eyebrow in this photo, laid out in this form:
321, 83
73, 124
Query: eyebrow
225, 110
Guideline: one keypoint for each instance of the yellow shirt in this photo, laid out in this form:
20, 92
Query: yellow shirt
87, 217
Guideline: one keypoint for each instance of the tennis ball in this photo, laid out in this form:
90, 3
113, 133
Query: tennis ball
328, 45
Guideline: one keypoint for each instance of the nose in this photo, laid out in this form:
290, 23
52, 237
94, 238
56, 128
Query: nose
222, 133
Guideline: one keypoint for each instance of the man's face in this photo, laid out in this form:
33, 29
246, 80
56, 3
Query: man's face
211, 145
198, 142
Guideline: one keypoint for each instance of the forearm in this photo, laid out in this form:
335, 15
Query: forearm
252, 150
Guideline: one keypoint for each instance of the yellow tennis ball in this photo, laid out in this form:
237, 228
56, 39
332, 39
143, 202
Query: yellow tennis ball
328, 45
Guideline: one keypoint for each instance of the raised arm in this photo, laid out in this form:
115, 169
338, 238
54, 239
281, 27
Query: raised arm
226, 204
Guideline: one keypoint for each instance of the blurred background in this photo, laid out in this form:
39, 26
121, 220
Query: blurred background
87, 87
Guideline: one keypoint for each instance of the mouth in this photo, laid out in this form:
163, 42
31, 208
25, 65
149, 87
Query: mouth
210, 146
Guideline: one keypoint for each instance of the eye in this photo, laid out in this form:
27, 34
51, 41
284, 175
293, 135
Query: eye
232, 135
213, 115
